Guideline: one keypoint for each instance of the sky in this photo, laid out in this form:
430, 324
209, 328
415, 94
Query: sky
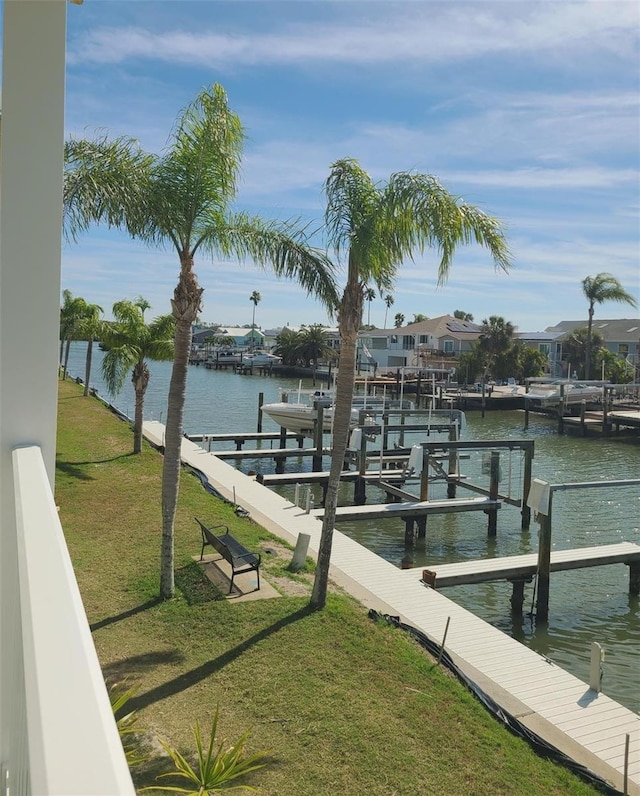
529, 110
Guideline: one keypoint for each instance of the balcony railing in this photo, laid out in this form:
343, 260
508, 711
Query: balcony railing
56, 711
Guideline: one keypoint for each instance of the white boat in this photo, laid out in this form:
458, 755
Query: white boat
298, 414
261, 358
562, 390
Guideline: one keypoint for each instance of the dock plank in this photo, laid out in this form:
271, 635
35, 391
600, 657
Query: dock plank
410, 508
525, 566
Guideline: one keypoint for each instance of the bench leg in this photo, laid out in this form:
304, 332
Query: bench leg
233, 574
258, 574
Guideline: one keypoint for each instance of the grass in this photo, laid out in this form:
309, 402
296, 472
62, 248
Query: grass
344, 705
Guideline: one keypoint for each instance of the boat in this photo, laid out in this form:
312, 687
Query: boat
261, 358
556, 391
297, 413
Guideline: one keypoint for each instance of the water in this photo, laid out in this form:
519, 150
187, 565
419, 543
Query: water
585, 605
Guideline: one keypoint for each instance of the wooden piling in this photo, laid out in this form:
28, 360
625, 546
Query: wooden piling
453, 460
318, 432
634, 578
493, 492
544, 567
525, 512
517, 596
260, 402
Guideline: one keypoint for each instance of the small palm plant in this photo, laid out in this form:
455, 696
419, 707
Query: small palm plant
119, 695
216, 767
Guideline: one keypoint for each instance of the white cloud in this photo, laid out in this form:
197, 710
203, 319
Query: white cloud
411, 32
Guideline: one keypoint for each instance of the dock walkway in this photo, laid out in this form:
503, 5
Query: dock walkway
525, 566
587, 726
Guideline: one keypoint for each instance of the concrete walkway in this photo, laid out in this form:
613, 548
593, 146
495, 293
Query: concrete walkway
588, 727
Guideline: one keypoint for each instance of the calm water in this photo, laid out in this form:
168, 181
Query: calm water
585, 605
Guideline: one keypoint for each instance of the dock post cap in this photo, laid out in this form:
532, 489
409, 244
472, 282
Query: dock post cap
539, 495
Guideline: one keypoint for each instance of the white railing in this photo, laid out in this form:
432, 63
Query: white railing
60, 706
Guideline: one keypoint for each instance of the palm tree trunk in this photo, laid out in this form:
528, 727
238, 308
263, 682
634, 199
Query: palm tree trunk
350, 321
87, 369
587, 363
66, 358
185, 306
140, 380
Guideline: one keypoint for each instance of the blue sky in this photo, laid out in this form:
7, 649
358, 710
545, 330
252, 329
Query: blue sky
531, 110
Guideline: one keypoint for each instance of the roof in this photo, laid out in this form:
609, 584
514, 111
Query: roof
618, 330
442, 326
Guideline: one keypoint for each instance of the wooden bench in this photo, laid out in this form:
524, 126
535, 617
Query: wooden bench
241, 559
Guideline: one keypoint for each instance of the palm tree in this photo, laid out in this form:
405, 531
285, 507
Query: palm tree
255, 297
496, 336
598, 289
129, 342
90, 327
369, 295
388, 301
373, 228
398, 320
287, 346
71, 314
313, 344
461, 315
182, 198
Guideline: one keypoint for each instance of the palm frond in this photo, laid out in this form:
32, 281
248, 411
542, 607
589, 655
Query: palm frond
105, 181
197, 174
351, 197
421, 213
282, 247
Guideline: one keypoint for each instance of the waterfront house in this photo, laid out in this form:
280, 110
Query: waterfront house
242, 336
621, 336
57, 731
422, 344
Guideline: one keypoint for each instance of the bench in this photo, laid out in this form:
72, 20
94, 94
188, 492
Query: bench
241, 559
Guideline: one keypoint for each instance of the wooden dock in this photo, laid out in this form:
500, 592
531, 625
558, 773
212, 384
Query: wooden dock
521, 569
285, 479
419, 508
271, 453
588, 726
240, 438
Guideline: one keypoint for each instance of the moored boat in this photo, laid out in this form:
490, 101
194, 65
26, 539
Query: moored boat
297, 413
566, 391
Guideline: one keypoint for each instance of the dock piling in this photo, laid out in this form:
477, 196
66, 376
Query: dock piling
595, 668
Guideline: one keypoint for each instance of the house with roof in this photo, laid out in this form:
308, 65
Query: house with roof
242, 336
621, 336
413, 345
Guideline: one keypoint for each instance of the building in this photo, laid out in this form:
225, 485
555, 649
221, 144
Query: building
621, 336
242, 336
57, 731
421, 344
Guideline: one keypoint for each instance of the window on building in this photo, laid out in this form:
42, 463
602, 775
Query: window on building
448, 347
408, 341
545, 348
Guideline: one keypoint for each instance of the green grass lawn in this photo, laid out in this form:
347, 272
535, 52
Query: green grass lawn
344, 705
